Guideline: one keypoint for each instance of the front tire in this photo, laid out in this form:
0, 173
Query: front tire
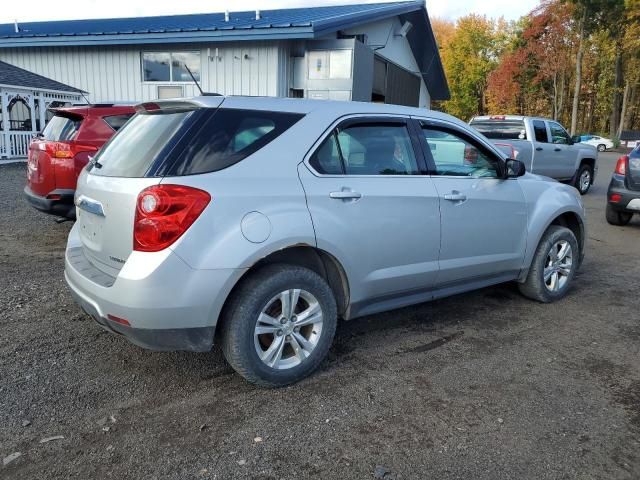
554, 266
602, 148
584, 179
619, 219
279, 325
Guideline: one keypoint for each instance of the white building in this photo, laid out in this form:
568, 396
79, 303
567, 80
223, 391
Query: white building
381, 52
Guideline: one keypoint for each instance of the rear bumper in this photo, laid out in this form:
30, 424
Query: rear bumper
630, 199
62, 206
169, 305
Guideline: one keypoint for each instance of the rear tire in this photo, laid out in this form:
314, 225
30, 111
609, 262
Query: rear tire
584, 178
602, 148
553, 269
617, 218
265, 339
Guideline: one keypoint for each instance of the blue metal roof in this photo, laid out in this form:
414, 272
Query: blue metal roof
312, 21
293, 23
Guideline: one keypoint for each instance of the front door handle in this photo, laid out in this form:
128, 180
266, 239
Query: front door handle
345, 195
455, 196
557, 149
539, 149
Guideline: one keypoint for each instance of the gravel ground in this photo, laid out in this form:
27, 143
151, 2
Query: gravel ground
486, 385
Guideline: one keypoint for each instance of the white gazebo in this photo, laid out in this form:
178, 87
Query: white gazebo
24, 100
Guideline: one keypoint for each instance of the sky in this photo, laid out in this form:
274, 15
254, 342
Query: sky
38, 10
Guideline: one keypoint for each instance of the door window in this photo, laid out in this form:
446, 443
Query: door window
558, 134
454, 155
367, 149
540, 131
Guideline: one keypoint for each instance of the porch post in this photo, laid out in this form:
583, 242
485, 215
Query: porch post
42, 110
32, 113
5, 143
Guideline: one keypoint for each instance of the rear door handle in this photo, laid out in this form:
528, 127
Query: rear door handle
455, 196
345, 195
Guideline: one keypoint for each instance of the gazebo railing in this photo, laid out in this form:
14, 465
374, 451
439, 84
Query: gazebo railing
18, 143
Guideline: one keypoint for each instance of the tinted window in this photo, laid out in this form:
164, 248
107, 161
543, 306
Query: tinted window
540, 130
501, 129
61, 129
229, 136
377, 149
133, 150
326, 159
558, 134
456, 156
117, 121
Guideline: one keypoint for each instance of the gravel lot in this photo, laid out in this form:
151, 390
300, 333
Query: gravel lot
486, 385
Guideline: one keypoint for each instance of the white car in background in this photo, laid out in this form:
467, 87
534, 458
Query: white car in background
601, 143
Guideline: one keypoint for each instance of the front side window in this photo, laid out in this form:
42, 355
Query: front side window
453, 155
367, 149
170, 66
558, 134
540, 131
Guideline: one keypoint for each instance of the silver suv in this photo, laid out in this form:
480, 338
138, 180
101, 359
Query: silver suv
259, 222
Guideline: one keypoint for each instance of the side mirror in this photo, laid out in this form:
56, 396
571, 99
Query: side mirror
515, 168
576, 139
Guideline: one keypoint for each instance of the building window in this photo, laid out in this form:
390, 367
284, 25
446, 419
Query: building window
170, 66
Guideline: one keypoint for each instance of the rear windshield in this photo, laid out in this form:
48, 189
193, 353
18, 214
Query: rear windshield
189, 142
500, 129
61, 129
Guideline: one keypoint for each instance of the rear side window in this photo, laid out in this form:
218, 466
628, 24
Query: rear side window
61, 129
540, 131
229, 136
501, 129
117, 121
367, 149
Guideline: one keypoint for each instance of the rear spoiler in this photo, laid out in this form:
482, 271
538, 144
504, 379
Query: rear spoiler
177, 105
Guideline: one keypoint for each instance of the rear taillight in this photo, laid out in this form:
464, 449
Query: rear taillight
621, 166
164, 213
68, 150
615, 198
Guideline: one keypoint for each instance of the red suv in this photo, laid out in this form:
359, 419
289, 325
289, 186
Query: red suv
61, 151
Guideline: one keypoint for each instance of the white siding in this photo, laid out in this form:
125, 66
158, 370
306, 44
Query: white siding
114, 73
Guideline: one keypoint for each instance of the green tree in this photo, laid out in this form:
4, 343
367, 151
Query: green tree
471, 53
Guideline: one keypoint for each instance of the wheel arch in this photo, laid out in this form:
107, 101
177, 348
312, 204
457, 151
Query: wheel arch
567, 218
304, 255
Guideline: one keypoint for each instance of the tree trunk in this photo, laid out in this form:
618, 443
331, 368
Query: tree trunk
579, 56
623, 112
616, 104
561, 101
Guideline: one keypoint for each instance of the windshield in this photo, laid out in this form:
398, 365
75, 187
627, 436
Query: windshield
501, 129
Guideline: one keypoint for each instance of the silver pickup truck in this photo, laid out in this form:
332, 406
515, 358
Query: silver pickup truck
544, 146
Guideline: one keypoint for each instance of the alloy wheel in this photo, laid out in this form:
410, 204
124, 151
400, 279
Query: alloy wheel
288, 329
585, 180
558, 266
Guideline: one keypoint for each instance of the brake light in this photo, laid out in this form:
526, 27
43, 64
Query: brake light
615, 198
497, 117
621, 166
68, 150
164, 213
